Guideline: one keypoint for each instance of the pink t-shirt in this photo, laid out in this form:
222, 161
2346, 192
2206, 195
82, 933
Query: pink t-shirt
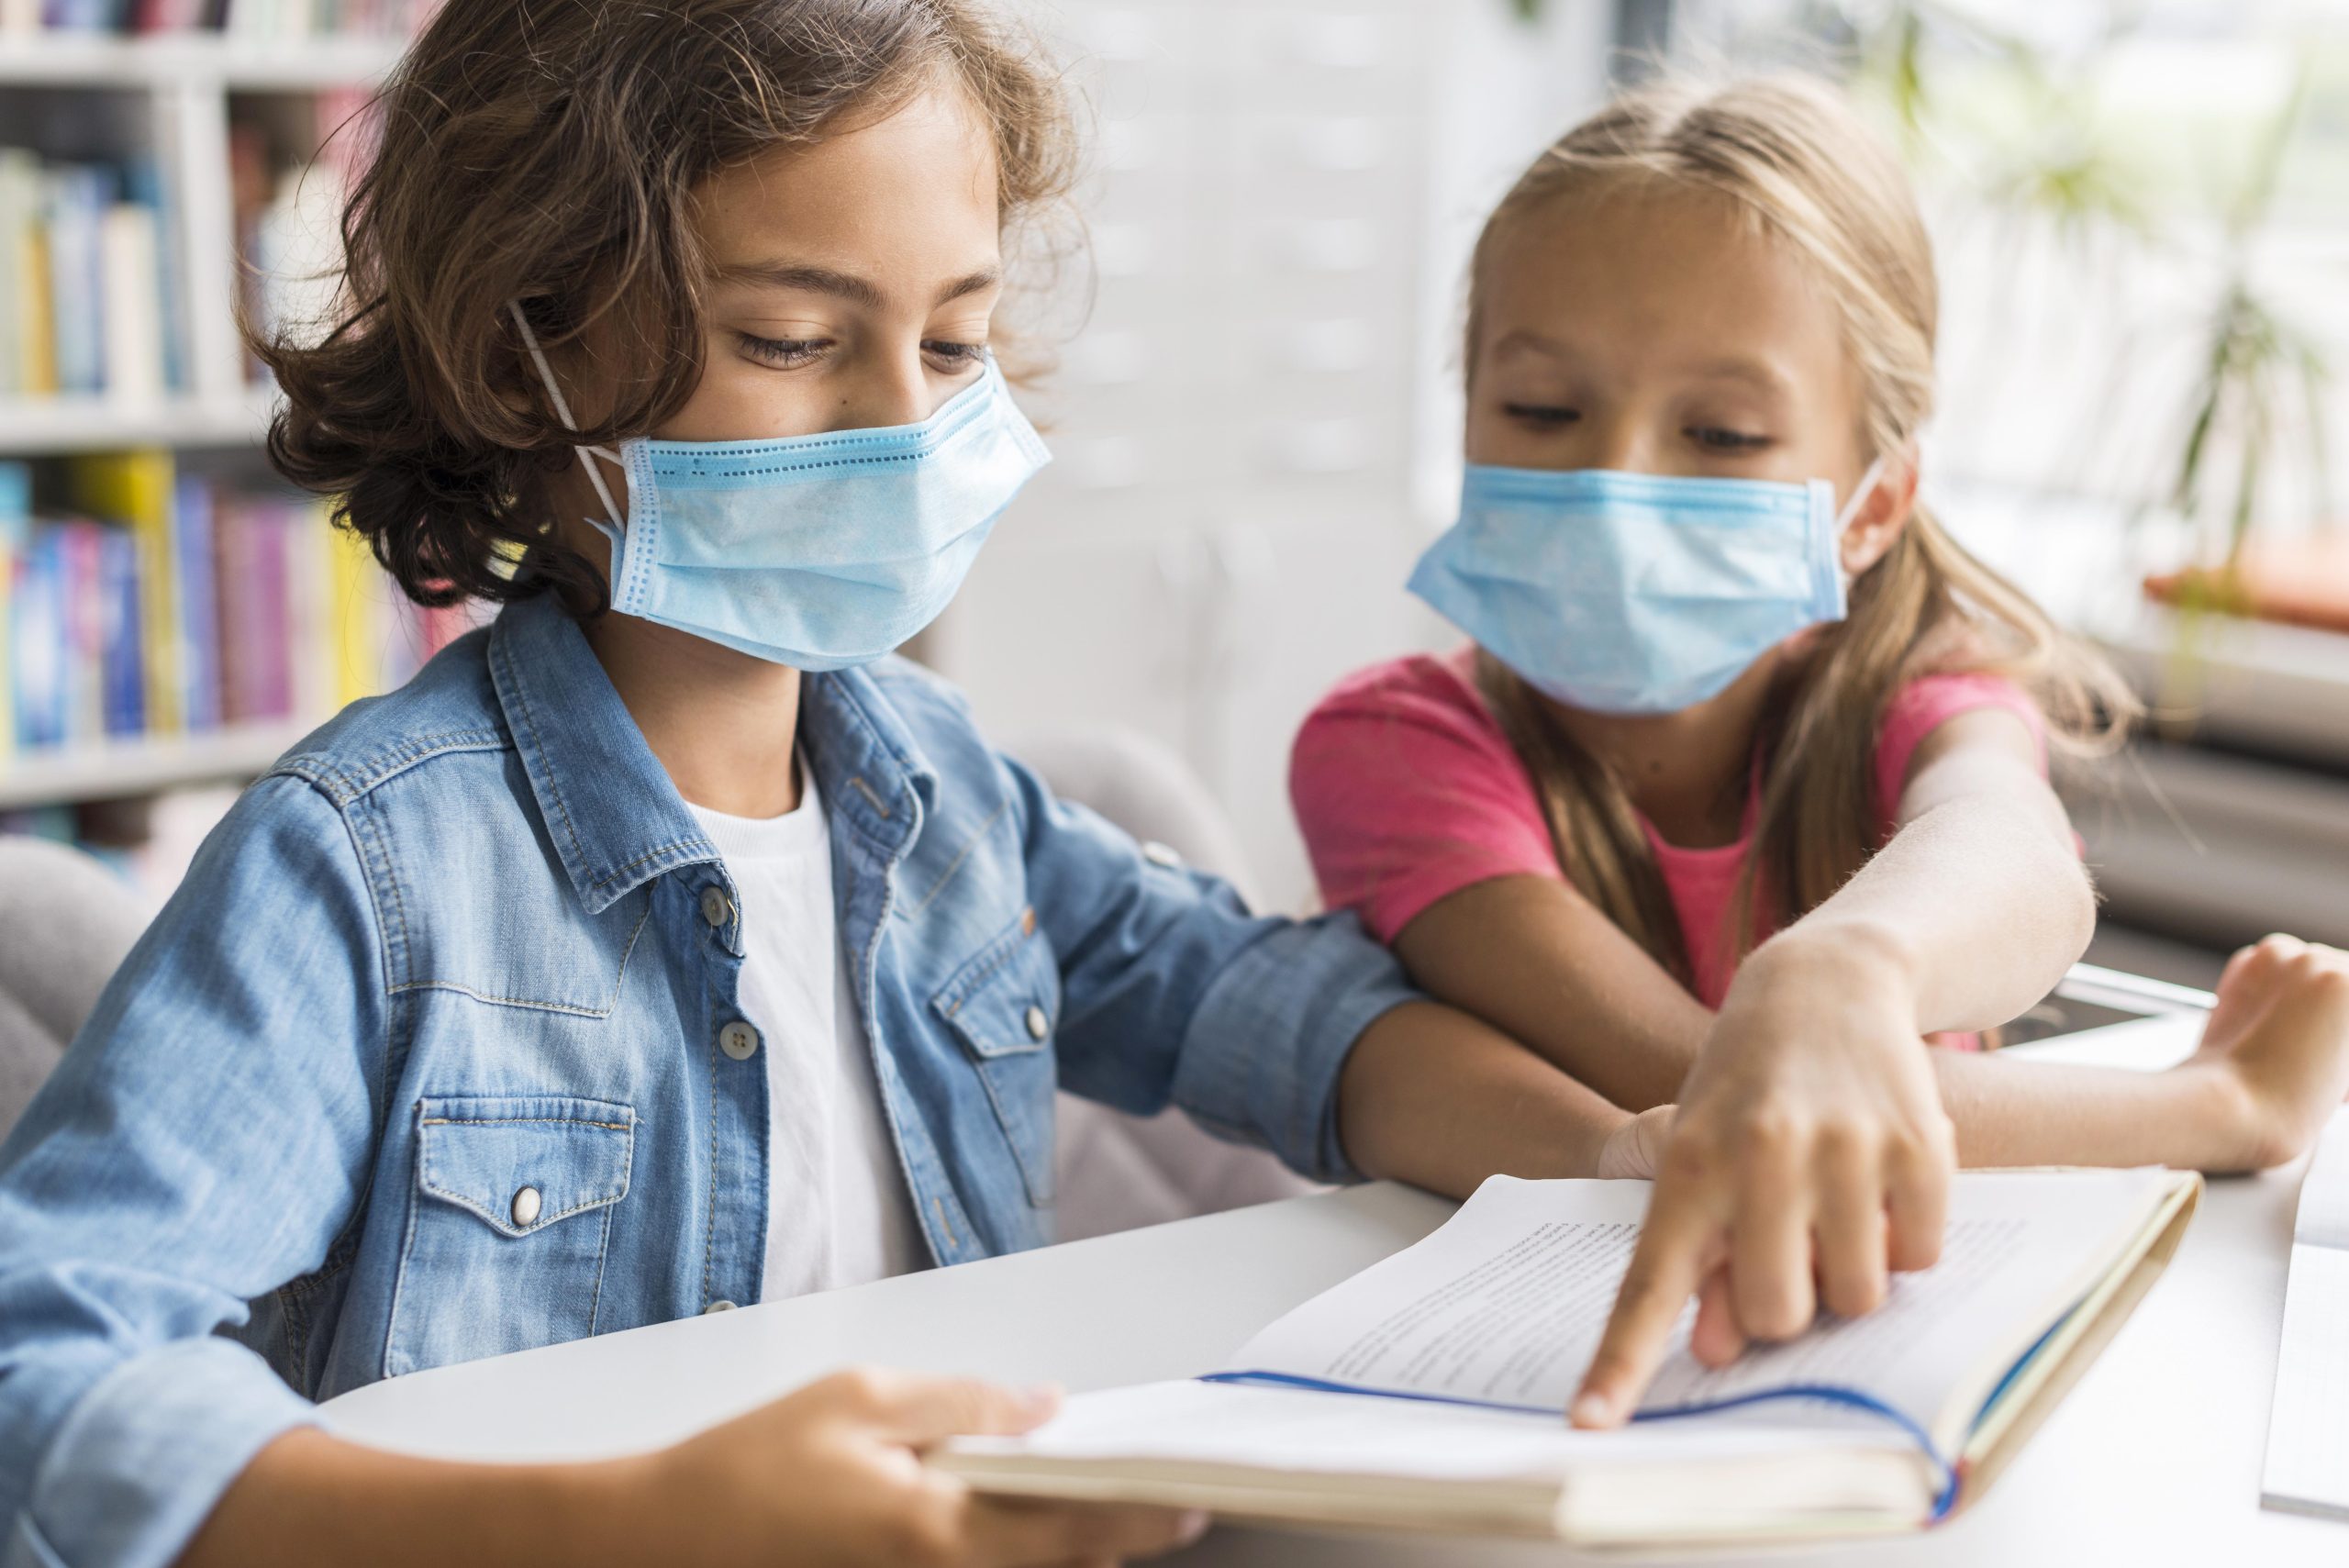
1407, 789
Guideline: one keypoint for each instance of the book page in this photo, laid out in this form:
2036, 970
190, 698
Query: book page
1505, 1303
2322, 1218
1289, 1428
2308, 1431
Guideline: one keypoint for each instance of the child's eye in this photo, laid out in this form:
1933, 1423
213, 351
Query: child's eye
954, 356
1714, 437
1546, 416
784, 353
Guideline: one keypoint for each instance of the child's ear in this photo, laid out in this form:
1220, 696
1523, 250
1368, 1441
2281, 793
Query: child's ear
1876, 528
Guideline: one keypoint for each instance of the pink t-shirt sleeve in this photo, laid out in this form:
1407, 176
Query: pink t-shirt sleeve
1926, 704
1407, 790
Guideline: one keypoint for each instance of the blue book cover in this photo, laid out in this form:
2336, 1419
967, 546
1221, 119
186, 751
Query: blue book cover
199, 608
122, 689
16, 497
38, 659
78, 197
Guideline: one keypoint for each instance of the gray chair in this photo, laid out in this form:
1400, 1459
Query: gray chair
65, 923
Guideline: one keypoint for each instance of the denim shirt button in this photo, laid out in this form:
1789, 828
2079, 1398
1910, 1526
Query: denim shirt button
718, 1307
739, 1041
1162, 855
1038, 1024
526, 1206
716, 909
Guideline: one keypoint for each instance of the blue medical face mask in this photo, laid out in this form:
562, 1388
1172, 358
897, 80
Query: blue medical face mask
1636, 593
817, 552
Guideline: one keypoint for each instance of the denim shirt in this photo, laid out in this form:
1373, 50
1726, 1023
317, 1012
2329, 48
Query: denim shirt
467, 940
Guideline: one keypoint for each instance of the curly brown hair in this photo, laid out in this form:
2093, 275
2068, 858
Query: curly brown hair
546, 151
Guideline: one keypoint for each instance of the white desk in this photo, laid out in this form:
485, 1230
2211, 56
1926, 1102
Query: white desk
2154, 1460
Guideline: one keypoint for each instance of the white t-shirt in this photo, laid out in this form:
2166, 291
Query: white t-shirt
837, 1212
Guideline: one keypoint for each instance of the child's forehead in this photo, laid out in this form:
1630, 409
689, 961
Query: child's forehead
1660, 275
925, 166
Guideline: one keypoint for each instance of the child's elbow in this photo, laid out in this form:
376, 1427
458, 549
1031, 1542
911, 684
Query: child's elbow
2075, 903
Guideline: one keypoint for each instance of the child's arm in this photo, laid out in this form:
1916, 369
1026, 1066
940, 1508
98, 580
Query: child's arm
1975, 909
830, 1475
1303, 1036
1531, 956
1431, 1097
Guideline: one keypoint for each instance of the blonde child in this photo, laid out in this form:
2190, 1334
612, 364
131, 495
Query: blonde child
1741, 787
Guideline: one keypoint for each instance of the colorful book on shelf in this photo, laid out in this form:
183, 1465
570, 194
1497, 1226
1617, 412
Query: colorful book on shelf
90, 262
24, 290
165, 284
39, 649
122, 682
77, 197
197, 633
16, 526
24, 194
166, 606
136, 490
85, 619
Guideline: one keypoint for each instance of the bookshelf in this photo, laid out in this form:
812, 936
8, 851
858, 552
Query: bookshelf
33, 426
172, 99
114, 770
202, 62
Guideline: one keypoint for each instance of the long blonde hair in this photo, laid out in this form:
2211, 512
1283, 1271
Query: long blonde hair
1796, 162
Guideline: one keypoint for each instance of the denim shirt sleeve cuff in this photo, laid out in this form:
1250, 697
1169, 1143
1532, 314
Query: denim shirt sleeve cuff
145, 1455
1262, 1057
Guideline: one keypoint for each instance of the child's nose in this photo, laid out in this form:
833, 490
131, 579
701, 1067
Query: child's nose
887, 393
1618, 442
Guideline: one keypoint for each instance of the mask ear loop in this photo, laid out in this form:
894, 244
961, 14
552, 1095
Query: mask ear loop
586, 455
1861, 492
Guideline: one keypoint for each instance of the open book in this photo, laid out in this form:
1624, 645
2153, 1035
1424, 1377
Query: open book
1427, 1392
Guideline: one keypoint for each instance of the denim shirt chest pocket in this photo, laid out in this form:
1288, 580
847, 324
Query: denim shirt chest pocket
1004, 1005
510, 1220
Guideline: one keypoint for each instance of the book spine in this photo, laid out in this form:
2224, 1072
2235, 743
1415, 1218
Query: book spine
36, 316
145, 183
76, 286
84, 703
11, 574
122, 680
41, 649
232, 576
132, 300
19, 185
15, 532
357, 627
312, 610
134, 490
197, 632
272, 609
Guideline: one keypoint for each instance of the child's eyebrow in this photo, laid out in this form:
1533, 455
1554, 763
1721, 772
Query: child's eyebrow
1756, 373
1525, 340
844, 285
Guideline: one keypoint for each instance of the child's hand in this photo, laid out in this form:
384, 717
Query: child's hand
2278, 1044
1636, 1149
1810, 1154
832, 1475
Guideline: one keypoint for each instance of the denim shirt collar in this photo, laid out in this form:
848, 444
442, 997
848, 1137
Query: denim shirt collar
616, 819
